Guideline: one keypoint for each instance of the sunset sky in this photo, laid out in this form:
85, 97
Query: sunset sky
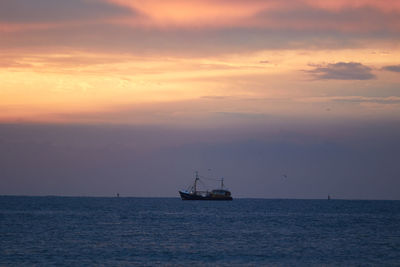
318, 78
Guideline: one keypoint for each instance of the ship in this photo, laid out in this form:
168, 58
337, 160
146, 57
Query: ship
217, 194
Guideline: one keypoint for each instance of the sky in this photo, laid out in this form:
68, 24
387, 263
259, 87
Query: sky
284, 99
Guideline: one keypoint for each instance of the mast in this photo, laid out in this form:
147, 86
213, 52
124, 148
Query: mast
222, 182
195, 181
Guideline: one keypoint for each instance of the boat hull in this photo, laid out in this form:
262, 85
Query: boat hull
188, 196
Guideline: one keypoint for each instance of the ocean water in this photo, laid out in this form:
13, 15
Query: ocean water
79, 231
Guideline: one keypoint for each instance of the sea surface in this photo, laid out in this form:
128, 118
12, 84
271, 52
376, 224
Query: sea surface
82, 231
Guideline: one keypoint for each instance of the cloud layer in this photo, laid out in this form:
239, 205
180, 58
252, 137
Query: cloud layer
94, 56
343, 71
394, 68
258, 24
56, 11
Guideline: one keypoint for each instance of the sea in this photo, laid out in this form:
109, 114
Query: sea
101, 231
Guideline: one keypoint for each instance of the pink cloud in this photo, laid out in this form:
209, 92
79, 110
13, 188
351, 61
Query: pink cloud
341, 15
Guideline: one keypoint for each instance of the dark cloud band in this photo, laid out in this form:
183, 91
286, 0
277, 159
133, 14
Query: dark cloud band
343, 71
51, 11
394, 68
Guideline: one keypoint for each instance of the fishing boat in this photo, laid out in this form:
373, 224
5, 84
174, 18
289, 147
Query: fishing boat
217, 194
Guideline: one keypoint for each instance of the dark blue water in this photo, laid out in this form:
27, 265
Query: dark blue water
151, 231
